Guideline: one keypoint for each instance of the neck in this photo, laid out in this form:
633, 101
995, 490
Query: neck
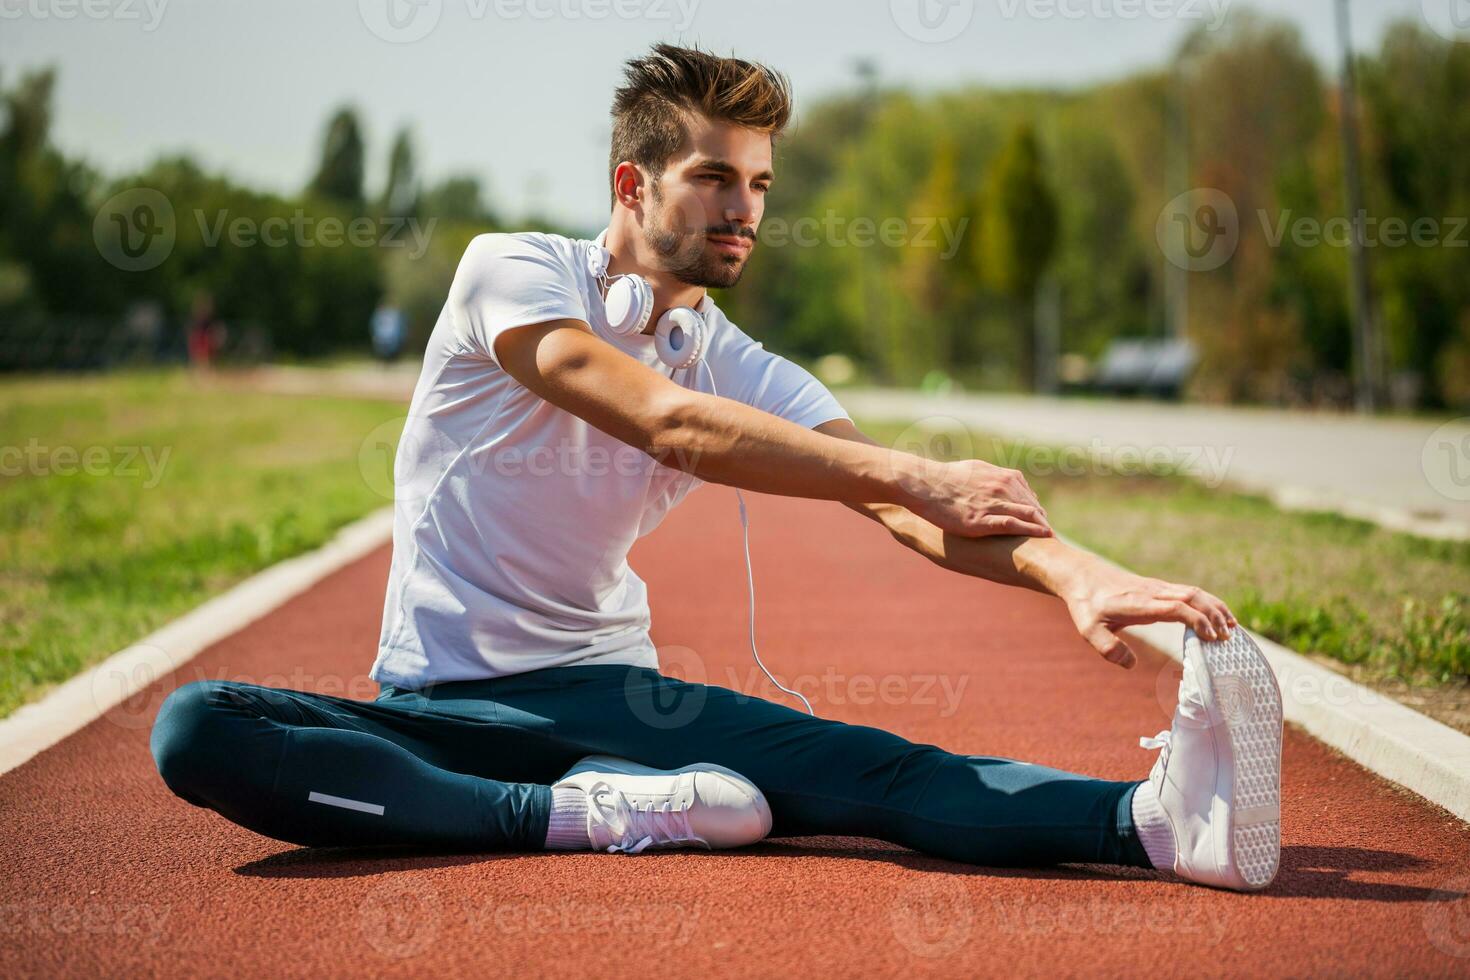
630, 254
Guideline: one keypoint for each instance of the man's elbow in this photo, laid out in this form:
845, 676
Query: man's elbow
673, 425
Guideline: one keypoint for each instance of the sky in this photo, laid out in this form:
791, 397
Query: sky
516, 92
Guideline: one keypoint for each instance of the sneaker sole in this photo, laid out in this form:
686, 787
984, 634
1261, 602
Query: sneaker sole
1245, 700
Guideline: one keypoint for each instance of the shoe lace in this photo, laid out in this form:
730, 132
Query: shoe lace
636, 828
1163, 740
1159, 741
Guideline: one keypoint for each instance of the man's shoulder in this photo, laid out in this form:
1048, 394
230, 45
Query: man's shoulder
723, 333
491, 247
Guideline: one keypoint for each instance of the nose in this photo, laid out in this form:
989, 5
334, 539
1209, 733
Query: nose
742, 207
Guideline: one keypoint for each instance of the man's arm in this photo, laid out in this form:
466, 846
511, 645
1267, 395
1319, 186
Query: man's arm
1101, 597
721, 440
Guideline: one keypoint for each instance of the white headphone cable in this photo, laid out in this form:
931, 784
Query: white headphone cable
750, 578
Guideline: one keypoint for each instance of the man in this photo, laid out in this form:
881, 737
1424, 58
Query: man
517, 675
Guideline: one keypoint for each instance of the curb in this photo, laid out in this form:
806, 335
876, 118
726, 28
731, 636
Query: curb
1378, 733
35, 727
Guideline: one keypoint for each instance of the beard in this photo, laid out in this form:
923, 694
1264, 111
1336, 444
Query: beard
684, 252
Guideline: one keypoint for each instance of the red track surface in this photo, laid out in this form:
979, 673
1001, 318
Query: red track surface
107, 874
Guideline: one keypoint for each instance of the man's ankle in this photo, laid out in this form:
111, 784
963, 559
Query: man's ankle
567, 828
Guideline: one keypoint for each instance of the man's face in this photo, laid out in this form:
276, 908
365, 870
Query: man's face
703, 211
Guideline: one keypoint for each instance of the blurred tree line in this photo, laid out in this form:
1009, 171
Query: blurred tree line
294, 269
1062, 191
1007, 203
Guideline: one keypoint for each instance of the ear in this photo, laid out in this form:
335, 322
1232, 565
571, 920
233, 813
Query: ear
628, 185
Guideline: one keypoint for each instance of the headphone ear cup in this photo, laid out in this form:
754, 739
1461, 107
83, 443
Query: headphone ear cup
680, 337
628, 304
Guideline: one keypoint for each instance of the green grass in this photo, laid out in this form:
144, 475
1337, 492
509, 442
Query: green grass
1389, 604
126, 500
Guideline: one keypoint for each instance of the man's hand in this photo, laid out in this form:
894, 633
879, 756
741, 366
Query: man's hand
974, 499
1103, 599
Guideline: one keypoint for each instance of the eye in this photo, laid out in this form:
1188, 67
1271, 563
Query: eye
762, 187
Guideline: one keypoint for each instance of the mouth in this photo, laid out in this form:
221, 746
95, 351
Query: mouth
730, 244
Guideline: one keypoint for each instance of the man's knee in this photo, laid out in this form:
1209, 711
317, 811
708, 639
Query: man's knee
187, 737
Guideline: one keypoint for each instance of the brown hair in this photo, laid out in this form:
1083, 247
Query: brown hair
661, 88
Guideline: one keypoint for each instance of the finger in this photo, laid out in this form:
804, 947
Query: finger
1144, 611
1206, 603
1025, 512
1195, 619
1018, 489
1030, 494
1013, 509
1230, 622
1220, 613
998, 525
1111, 646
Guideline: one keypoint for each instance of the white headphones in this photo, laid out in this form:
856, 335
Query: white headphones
627, 302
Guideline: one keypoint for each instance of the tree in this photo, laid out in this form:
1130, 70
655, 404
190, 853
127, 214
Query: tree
340, 175
456, 198
1257, 107
1100, 267
47, 258
401, 193
1018, 234
928, 273
1415, 93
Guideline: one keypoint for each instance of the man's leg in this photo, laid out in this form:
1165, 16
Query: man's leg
316, 770
827, 777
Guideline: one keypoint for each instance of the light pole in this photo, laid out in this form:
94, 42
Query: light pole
1176, 182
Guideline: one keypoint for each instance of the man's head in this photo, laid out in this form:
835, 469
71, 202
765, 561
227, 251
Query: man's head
691, 157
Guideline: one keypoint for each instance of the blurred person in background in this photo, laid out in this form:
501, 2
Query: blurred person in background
206, 332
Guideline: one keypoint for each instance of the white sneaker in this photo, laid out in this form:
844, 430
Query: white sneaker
1218, 778
632, 808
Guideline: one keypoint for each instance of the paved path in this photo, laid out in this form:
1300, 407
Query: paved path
1405, 474
107, 874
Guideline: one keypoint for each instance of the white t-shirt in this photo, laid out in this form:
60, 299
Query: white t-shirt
512, 517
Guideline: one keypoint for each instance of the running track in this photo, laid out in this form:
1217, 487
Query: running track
108, 874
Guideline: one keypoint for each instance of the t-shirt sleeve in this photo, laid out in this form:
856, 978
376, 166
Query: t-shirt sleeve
505, 281
749, 373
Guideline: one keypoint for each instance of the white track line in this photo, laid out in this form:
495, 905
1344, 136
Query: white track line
33, 728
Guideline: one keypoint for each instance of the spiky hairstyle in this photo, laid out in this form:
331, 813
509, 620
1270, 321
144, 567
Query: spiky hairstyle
661, 89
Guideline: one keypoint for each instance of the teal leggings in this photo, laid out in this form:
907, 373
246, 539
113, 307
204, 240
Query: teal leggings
467, 766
